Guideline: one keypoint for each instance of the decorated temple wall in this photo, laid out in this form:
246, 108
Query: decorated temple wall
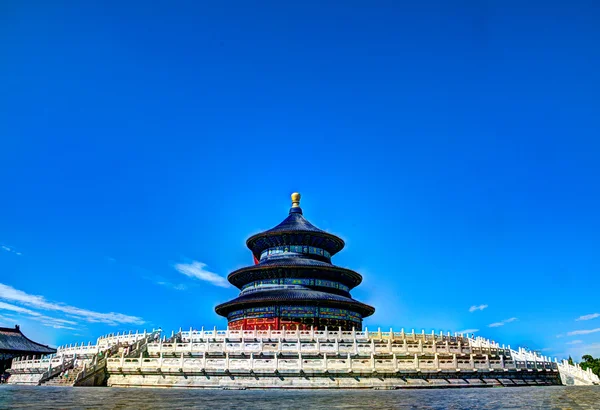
293, 317
268, 283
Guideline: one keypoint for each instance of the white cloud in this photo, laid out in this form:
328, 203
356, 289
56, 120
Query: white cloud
588, 317
18, 309
196, 270
502, 323
179, 286
467, 331
583, 332
574, 342
477, 307
14, 295
37, 316
10, 250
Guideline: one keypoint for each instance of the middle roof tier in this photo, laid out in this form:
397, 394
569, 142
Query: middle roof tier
294, 268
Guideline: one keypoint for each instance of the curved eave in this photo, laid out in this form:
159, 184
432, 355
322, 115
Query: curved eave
346, 276
12, 339
305, 297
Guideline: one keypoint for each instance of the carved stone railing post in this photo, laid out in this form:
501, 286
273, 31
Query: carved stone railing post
373, 369
349, 363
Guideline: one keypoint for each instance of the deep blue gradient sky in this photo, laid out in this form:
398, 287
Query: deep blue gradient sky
453, 145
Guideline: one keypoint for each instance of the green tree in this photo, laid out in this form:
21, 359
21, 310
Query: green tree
588, 362
571, 361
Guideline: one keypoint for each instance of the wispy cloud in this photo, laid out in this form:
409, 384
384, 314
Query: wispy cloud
574, 342
475, 308
466, 331
18, 309
502, 323
10, 250
196, 270
54, 322
583, 332
588, 317
179, 286
35, 301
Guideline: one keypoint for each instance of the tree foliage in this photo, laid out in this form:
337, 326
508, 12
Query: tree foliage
589, 362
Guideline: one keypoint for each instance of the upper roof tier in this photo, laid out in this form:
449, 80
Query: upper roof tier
294, 230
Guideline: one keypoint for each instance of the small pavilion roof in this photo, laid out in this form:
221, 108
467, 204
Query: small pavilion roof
12, 340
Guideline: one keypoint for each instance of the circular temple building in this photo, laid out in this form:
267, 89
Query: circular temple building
293, 283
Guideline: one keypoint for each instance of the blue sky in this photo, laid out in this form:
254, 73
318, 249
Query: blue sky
453, 145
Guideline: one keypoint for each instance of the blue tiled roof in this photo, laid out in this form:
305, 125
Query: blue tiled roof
297, 230
12, 340
306, 296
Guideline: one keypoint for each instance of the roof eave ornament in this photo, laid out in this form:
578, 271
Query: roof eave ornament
295, 209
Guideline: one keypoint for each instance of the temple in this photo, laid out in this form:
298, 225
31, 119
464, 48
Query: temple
13, 344
294, 325
293, 283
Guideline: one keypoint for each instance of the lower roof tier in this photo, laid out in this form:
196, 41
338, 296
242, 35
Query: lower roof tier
294, 296
297, 268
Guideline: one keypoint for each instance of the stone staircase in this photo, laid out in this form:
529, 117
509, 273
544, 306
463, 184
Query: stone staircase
94, 374
64, 380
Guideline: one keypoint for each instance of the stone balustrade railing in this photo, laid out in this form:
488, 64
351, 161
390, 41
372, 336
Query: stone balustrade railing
337, 346
323, 362
327, 334
105, 342
78, 350
576, 372
36, 365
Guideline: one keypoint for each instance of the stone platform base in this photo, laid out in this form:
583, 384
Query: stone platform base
347, 381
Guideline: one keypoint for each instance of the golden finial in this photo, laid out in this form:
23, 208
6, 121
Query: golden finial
295, 200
